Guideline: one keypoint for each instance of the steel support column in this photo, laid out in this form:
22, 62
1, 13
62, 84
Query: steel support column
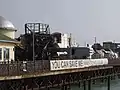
84, 85
89, 84
108, 83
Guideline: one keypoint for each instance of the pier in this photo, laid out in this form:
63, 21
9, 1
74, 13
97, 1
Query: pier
37, 75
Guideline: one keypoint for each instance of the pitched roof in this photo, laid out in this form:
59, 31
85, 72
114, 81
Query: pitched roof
4, 38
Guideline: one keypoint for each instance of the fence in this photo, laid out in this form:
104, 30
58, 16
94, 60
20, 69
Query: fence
114, 62
23, 67
30, 67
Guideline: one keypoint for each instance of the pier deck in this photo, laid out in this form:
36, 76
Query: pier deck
30, 75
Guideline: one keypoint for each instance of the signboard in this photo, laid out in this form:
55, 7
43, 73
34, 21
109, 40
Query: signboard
77, 63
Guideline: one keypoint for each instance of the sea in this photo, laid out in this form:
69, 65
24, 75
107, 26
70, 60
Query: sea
114, 85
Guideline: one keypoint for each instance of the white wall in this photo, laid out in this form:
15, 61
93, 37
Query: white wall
64, 41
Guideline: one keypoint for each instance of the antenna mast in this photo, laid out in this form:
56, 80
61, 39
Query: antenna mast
70, 45
95, 39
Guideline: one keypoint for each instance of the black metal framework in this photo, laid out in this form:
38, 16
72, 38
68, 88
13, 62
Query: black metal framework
37, 28
36, 44
33, 28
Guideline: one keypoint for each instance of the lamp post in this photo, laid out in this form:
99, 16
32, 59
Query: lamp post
95, 39
70, 46
33, 50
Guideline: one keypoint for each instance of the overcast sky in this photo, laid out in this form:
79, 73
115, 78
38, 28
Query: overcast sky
85, 19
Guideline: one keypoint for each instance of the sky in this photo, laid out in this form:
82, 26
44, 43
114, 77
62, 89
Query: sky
85, 19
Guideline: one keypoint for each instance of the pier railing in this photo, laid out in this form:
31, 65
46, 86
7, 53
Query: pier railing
23, 67
29, 67
114, 62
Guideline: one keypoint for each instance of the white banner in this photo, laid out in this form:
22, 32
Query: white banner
77, 63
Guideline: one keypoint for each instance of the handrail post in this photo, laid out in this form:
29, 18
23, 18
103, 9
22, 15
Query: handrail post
17, 68
8, 67
34, 66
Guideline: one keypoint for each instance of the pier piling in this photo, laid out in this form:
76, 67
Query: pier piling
79, 85
89, 84
94, 81
108, 82
84, 85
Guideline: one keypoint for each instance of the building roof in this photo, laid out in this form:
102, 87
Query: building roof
4, 38
6, 24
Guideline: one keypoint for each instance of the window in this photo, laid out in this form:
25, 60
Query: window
6, 53
0, 53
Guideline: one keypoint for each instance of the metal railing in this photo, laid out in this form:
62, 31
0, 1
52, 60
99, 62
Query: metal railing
114, 62
23, 67
30, 67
